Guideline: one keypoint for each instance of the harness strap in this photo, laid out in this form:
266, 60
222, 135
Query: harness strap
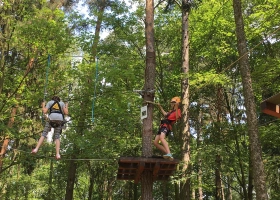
166, 123
57, 111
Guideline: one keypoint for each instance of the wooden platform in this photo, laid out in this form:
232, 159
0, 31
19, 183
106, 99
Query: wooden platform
131, 168
270, 106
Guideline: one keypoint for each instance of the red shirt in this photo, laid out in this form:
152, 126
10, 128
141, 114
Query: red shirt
171, 117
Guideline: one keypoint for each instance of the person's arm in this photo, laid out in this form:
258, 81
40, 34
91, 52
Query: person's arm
177, 111
159, 106
65, 109
161, 110
44, 108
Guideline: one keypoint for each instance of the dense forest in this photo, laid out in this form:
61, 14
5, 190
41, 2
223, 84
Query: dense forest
220, 56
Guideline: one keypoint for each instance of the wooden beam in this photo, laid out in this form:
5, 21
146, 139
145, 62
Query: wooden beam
270, 108
132, 168
275, 99
139, 172
155, 171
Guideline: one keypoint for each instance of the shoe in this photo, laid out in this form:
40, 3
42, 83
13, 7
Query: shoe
57, 157
34, 151
168, 156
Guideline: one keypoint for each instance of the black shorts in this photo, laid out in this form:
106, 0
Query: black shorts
164, 130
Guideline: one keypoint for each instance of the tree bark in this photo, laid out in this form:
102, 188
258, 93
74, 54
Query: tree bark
185, 193
199, 158
255, 146
148, 95
218, 173
219, 186
101, 7
71, 180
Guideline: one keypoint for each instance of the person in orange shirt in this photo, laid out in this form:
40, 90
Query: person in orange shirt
166, 126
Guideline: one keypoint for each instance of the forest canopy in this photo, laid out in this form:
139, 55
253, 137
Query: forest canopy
92, 54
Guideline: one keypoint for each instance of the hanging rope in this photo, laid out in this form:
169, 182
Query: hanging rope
96, 76
69, 91
46, 83
47, 74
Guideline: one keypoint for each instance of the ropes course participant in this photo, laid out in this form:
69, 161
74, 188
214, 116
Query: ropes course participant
166, 126
57, 109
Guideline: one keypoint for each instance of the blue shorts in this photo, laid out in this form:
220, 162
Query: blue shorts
164, 130
47, 129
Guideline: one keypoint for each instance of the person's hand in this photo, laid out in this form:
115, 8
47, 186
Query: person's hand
151, 102
43, 104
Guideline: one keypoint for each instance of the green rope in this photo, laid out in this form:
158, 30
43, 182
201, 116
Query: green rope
46, 83
47, 74
96, 76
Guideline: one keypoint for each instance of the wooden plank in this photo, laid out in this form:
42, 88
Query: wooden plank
128, 165
156, 170
270, 109
146, 160
275, 99
139, 172
132, 168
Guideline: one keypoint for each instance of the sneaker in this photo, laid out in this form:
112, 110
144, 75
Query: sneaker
168, 156
57, 157
34, 151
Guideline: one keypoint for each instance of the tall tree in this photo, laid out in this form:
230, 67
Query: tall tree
255, 146
149, 91
186, 190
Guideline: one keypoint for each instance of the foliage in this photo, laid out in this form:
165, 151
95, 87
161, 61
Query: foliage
104, 109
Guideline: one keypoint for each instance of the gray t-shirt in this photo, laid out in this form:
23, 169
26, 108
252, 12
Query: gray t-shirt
55, 116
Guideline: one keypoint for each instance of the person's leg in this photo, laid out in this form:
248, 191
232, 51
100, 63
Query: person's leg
40, 142
57, 146
164, 143
57, 132
42, 138
156, 143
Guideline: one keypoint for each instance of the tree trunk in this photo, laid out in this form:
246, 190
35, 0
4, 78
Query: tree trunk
71, 180
135, 189
50, 196
255, 146
241, 165
102, 7
218, 177
199, 161
185, 193
229, 193
148, 95
91, 181
164, 189
250, 181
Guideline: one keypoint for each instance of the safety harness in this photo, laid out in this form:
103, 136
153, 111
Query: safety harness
166, 122
56, 108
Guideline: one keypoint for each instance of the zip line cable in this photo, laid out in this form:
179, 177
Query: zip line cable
81, 159
94, 94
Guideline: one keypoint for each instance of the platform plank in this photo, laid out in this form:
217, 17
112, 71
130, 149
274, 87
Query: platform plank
275, 99
271, 107
131, 168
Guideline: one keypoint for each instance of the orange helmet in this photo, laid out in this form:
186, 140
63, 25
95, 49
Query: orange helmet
176, 99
